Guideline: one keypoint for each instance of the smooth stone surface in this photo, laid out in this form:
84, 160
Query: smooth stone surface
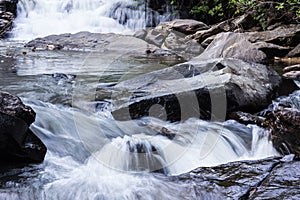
206, 89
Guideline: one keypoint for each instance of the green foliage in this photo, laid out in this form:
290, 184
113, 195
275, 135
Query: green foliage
265, 12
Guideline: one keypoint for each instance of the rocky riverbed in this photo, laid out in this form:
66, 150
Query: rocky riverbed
158, 83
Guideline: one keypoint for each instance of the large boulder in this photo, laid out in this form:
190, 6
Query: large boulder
99, 42
206, 89
18, 144
233, 45
173, 36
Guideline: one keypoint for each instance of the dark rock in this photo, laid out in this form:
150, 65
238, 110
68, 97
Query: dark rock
13, 106
66, 78
17, 142
234, 180
246, 118
282, 119
271, 50
284, 124
282, 183
196, 89
8, 11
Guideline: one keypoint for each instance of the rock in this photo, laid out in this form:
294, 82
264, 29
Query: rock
141, 34
233, 45
284, 124
282, 183
288, 35
195, 89
295, 75
13, 106
172, 36
99, 42
225, 26
18, 144
157, 36
185, 26
178, 43
295, 52
271, 50
8, 11
292, 68
236, 180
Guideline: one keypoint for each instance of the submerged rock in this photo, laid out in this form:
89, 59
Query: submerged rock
18, 144
206, 89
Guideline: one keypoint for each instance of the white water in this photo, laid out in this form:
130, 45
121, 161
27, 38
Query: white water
94, 157
37, 18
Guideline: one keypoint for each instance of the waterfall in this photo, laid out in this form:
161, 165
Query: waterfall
37, 18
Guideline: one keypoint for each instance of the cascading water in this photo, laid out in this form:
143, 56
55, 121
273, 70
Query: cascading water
91, 156
37, 18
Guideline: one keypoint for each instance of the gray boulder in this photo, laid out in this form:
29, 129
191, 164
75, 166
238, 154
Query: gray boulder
207, 89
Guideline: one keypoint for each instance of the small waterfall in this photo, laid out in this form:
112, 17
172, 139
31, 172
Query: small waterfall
144, 145
37, 18
91, 156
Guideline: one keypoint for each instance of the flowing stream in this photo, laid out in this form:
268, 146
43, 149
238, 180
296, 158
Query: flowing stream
91, 155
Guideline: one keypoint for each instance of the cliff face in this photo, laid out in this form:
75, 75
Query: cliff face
8, 12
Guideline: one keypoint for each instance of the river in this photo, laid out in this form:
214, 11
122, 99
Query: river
91, 155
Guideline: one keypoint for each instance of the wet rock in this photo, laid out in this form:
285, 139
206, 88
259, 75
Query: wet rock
234, 180
282, 183
233, 45
8, 10
284, 124
13, 106
63, 78
18, 144
282, 119
195, 89
98, 42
